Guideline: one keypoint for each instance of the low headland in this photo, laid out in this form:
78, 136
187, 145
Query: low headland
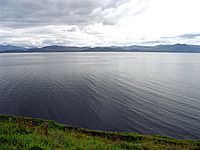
37, 134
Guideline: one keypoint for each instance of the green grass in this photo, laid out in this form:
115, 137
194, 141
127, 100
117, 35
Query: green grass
20, 133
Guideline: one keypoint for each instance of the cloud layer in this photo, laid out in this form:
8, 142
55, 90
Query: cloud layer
92, 22
15, 13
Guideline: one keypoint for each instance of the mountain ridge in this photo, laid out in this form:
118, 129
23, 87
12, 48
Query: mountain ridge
4, 48
134, 48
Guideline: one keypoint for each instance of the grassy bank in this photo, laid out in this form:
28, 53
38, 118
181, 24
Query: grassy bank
36, 134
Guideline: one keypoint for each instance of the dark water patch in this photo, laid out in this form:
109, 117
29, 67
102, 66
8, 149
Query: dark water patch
151, 93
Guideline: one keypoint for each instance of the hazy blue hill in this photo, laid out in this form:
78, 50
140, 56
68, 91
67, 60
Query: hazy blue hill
56, 48
178, 48
135, 48
158, 48
7, 48
103, 49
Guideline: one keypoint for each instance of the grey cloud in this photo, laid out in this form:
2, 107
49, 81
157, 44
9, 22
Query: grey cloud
184, 36
56, 41
190, 36
62, 22
153, 42
73, 29
23, 13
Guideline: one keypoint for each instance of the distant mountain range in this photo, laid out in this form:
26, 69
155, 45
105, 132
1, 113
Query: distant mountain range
135, 48
10, 48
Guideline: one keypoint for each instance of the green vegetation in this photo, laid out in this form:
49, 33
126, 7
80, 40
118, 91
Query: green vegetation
36, 134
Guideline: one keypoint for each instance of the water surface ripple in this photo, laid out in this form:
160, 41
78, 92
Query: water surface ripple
150, 93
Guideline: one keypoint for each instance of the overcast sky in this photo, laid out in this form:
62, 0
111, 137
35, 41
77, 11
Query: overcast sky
99, 22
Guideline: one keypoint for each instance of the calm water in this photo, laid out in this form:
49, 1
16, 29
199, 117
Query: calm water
156, 93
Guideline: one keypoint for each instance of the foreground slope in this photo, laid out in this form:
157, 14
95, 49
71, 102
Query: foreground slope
36, 134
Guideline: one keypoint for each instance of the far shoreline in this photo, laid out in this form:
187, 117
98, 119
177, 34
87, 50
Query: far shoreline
100, 52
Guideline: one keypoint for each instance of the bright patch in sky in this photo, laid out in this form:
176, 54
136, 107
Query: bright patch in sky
99, 23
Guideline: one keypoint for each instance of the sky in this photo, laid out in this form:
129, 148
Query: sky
37, 23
